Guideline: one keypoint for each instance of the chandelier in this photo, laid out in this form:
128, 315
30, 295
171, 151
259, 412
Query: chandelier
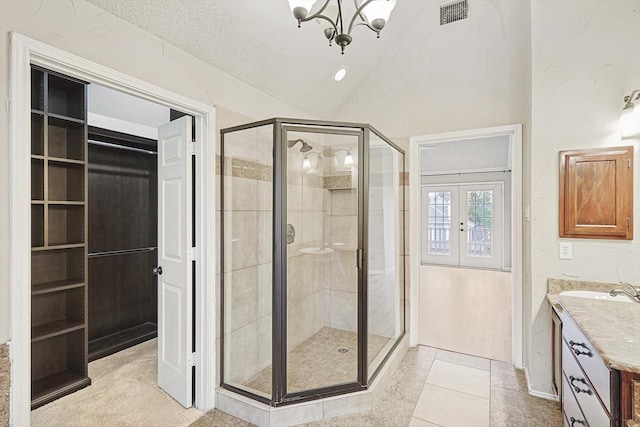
373, 14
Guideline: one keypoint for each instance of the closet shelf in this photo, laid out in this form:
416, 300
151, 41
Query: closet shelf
66, 203
53, 329
61, 285
37, 202
65, 160
57, 247
37, 157
66, 118
56, 385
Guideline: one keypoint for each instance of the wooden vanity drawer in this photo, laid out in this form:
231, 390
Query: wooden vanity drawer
570, 408
582, 390
592, 364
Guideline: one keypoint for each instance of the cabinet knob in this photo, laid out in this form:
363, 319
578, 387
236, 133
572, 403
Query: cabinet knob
157, 271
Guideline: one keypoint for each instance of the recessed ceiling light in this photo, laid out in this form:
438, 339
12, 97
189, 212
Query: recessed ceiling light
340, 74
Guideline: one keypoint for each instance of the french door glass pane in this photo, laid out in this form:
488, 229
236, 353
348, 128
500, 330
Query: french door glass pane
439, 227
480, 224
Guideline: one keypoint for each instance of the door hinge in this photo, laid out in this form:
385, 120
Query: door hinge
191, 359
192, 147
628, 163
628, 222
192, 253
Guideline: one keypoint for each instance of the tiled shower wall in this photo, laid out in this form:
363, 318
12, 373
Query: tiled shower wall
307, 272
341, 225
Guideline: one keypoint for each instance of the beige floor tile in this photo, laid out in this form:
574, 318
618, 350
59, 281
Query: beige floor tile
516, 408
464, 359
460, 378
504, 375
451, 408
417, 422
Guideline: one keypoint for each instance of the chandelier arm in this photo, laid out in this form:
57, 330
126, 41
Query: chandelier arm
318, 13
355, 3
635, 95
366, 24
333, 24
355, 15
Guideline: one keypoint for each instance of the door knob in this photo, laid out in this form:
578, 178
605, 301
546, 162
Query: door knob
157, 271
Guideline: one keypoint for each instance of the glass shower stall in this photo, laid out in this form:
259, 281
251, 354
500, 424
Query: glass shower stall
312, 259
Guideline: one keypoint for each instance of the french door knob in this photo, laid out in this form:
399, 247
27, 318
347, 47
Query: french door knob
157, 271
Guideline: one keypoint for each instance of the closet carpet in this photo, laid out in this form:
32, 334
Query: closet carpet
123, 392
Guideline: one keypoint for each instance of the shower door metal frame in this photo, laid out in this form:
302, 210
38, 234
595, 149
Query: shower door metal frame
279, 394
280, 321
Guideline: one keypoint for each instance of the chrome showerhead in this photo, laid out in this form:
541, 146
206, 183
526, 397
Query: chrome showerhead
305, 147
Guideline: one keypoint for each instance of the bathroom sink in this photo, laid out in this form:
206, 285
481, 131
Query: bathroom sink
595, 295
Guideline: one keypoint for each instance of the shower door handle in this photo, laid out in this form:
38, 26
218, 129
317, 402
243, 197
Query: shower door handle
359, 258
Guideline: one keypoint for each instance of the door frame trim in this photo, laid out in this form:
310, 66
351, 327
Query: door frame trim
517, 238
24, 53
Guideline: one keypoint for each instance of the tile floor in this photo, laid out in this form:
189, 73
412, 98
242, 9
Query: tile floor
318, 362
440, 388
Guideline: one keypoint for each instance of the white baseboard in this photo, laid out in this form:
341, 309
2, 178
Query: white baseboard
532, 392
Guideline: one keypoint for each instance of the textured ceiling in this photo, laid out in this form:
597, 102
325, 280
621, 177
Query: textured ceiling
258, 42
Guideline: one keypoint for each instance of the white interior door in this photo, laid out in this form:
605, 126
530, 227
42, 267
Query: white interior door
174, 264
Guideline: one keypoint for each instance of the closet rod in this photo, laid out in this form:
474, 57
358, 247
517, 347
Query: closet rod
121, 252
123, 147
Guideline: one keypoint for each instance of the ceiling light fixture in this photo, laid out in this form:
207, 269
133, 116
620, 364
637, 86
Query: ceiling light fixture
373, 14
340, 74
630, 117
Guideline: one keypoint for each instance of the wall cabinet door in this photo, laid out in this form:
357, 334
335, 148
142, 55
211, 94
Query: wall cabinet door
596, 193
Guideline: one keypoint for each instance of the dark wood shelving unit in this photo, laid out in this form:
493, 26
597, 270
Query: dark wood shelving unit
58, 237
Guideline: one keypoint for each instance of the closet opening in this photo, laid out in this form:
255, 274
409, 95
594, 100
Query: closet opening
123, 240
113, 251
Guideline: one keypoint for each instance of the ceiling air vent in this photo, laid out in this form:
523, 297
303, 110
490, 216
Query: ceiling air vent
453, 12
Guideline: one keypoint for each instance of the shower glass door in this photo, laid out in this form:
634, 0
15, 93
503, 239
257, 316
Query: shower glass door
323, 242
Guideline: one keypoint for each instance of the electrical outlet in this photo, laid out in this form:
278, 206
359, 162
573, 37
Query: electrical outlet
564, 250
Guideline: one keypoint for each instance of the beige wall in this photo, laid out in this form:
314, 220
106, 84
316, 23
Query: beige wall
466, 311
584, 62
87, 31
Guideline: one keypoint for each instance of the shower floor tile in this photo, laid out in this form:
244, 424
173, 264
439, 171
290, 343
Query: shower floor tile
327, 358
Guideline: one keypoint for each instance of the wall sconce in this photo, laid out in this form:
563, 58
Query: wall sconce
306, 162
348, 158
630, 117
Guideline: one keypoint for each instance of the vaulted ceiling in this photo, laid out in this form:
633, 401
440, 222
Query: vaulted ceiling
258, 42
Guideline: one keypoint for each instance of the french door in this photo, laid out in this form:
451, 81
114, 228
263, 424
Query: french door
462, 225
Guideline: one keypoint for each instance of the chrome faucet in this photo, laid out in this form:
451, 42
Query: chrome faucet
634, 295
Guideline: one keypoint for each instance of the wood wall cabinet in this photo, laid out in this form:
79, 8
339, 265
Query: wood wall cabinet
58, 237
596, 193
